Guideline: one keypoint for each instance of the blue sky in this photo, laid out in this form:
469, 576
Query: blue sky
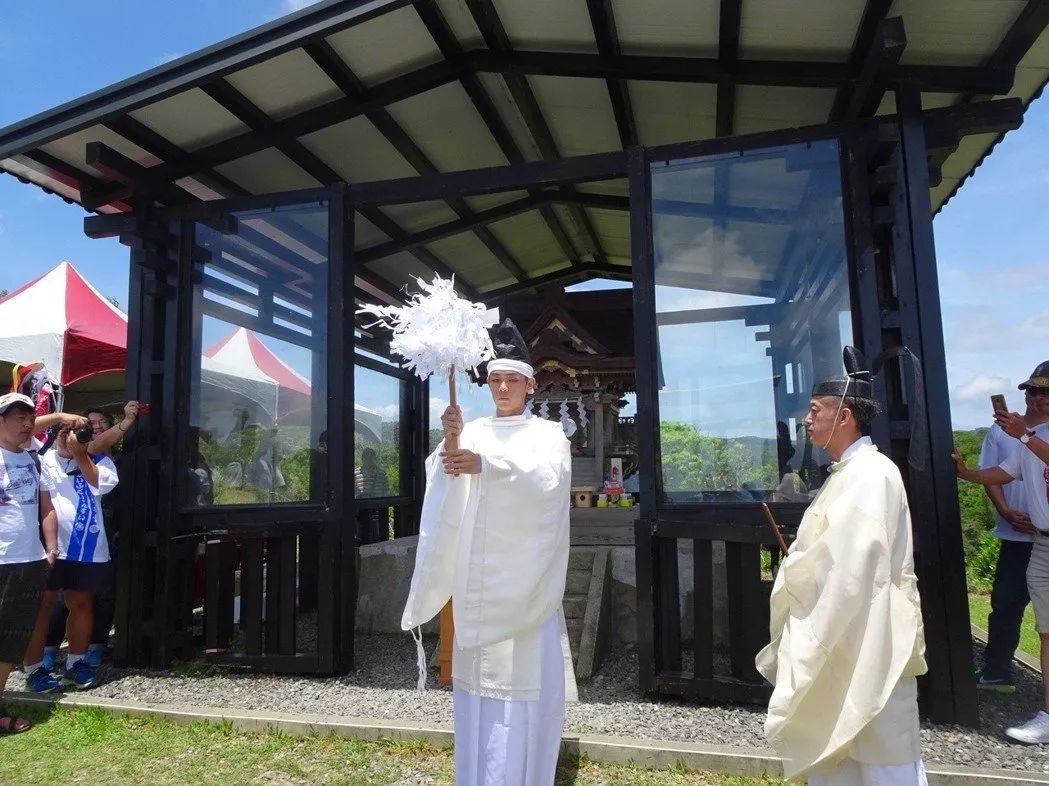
992, 239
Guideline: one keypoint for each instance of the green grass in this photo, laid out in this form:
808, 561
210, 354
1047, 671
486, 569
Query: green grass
980, 608
90, 746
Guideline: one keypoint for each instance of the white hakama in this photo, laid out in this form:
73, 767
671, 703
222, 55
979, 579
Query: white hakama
852, 773
513, 742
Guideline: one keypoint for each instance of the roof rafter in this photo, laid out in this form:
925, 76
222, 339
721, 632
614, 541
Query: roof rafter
873, 14
603, 20
328, 60
227, 96
449, 228
1025, 30
584, 272
885, 52
488, 22
450, 47
705, 70
728, 53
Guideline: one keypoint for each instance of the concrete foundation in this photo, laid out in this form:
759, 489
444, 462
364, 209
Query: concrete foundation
385, 575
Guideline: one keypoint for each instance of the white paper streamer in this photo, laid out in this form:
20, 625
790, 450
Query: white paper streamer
437, 330
544, 410
583, 419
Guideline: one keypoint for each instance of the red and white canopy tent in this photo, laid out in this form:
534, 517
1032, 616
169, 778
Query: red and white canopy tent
60, 319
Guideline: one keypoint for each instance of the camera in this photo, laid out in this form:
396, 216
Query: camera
83, 434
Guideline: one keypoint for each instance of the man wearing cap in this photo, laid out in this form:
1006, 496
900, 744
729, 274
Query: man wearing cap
847, 640
1009, 595
1030, 467
25, 512
494, 538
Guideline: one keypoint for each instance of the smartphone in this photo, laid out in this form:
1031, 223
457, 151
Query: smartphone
998, 402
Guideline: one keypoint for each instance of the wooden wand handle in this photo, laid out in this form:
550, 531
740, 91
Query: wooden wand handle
775, 528
452, 442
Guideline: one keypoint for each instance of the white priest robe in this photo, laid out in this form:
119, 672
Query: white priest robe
847, 639
497, 544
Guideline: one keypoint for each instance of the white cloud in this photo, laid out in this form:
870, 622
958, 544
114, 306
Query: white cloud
168, 57
980, 387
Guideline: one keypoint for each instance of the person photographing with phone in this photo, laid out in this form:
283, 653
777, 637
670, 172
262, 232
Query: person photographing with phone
1009, 595
83, 567
1026, 461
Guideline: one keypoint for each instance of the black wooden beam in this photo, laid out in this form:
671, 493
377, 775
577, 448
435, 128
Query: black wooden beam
566, 274
603, 20
450, 47
448, 229
728, 54
116, 166
315, 119
494, 34
329, 61
873, 14
68, 175
887, 47
223, 93
700, 70
1025, 30
530, 175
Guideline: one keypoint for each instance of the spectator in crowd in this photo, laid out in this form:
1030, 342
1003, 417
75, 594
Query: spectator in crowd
26, 512
106, 438
83, 567
1009, 595
371, 482
1030, 467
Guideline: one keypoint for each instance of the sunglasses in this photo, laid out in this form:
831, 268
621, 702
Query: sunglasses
1037, 391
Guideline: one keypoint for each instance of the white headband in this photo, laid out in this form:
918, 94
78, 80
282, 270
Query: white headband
505, 364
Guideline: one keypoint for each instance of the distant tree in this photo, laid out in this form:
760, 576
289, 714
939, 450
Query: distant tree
3, 293
113, 300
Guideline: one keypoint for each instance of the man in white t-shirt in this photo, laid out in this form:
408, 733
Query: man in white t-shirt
83, 567
1029, 467
25, 512
1009, 595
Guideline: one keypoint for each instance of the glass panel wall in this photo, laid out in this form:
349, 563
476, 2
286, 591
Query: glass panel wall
752, 303
377, 420
257, 378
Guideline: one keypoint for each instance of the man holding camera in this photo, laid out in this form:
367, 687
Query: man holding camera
83, 566
1030, 467
25, 512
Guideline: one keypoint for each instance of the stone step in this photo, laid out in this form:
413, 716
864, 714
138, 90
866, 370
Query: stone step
588, 607
575, 607
581, 559
578, 582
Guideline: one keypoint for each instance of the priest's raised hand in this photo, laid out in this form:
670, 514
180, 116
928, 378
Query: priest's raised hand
452, 422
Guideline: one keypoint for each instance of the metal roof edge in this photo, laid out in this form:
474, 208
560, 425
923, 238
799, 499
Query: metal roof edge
232, 54
987, 152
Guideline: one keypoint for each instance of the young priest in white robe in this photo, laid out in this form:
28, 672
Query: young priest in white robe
494, 537
847, 640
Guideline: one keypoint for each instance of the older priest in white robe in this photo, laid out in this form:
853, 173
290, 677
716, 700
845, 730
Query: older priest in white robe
847, 640
494, 538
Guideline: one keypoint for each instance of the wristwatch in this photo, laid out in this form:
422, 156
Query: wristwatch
1025, 438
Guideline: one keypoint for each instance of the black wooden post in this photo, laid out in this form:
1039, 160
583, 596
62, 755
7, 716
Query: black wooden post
338, 569
952, 688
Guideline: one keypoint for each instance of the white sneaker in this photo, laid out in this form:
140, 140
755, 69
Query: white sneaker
1034, 731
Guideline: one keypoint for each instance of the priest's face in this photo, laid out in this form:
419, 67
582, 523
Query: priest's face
820, 421
509, 392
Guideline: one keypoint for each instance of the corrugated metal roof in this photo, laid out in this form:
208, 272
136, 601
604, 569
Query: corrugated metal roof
362, 91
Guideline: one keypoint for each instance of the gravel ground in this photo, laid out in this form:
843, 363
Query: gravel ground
383, 686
